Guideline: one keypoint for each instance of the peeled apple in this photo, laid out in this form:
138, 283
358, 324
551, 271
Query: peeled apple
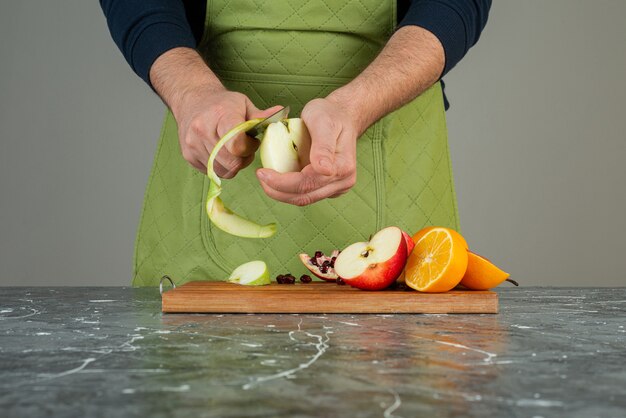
285, 147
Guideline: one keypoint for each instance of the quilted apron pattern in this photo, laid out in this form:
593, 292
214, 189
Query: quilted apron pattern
289, 52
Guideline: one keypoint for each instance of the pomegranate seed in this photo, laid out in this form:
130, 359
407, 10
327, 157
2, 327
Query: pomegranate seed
313, 261
340, 281
305, 278
318, 254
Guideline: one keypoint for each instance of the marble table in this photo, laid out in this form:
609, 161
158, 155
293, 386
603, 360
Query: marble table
83, 352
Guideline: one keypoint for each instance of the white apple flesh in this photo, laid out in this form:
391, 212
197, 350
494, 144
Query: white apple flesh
285, 146
253, 273
376, 264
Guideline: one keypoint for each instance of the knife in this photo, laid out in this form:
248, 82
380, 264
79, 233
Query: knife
256, 130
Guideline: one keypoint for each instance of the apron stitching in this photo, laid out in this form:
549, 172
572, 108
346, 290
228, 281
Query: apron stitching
332, 12
334, 81
420, 116
184, 248
364, 199
457, 220
147, 202
416, 200
238, 57
206, 229
206, 34
343, 7
350, 60
314, 57
319, 232
343, 216
393, 19
161, 237
274, 55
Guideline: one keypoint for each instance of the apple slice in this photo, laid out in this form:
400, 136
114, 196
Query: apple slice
253, 273
285, 146
376, 264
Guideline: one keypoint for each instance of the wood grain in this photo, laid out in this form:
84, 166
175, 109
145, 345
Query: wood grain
318, 297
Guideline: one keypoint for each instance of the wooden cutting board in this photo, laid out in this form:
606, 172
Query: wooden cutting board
319, 297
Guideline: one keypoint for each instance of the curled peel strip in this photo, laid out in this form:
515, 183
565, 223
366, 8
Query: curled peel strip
222, 217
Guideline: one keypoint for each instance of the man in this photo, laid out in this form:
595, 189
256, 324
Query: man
365, 85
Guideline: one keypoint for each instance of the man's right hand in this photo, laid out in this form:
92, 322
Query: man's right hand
204, 111
204, 117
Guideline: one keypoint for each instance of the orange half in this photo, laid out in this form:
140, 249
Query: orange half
419, 234
438, 261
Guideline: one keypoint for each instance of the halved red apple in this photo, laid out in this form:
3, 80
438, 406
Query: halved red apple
376, 264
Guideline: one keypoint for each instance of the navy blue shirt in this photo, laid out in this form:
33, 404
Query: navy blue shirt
145, 29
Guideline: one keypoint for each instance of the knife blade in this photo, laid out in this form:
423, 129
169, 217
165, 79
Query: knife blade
260, 127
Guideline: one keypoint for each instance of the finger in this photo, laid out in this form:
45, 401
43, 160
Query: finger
335, 188
198, 166
240, 146
345, 154
299, 182
230, 164
244, 163
225, 165
324, 132
195, 154
252, 112
220, 170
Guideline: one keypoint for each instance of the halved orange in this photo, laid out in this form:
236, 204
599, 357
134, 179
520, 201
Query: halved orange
438, 261
482, 274
419, 234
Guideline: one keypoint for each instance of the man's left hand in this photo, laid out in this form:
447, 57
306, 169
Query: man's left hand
332, 171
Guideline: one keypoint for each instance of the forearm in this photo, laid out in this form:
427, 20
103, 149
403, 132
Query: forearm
179, 72
410, 63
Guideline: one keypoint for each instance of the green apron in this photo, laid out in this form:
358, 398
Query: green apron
289, 52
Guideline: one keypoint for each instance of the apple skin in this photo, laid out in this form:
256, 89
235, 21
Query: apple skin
380, 275
409, 243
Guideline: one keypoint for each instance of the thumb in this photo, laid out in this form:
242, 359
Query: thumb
323, 146
252, 112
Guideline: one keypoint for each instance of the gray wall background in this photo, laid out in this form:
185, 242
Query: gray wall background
537, 132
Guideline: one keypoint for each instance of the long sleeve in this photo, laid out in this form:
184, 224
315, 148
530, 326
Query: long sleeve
456, 23
145, 29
